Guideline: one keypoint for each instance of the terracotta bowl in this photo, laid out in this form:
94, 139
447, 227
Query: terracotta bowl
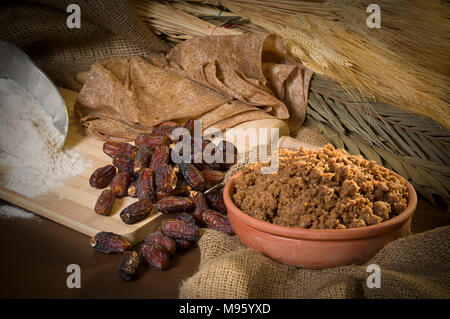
317, 249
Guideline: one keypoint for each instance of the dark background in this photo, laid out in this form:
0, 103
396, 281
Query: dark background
35, 253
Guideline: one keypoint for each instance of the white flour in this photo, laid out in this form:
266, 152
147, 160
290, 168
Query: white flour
28, 145
8, 212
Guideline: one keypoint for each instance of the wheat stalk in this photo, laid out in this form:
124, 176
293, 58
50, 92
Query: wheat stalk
167, 19
179, 21
404, 63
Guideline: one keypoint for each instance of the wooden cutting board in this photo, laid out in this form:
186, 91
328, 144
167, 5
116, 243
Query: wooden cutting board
72, 204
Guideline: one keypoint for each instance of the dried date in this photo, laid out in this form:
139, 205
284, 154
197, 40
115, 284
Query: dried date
142, 159
197, 148
179, 229
152, 140
120, 184
129, 265
102, 176
212, 176
155, 255
119, 149
228, 153
166, 130
215, 200
110, 243
217, 221
203, 165
192, 176
165, 178
145, 186
184, 244
174, 204
168, 243
190, 126
105, 203
186, 217
136, 211
160, 156
182, 189
124, 164
200, 205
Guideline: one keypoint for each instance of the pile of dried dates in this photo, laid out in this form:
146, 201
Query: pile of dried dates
146, 171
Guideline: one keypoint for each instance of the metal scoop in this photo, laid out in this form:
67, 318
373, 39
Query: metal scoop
17, 66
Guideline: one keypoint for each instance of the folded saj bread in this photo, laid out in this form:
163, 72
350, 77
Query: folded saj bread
222, 80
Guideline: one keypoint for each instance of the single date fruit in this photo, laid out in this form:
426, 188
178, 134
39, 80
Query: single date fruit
225, 151
179, 229
145, 185
166, 130
182, 189
152, 140
190, 126
184, 244
215, 200
168, 243
165, 178
110, 243
217, 221
174, 204
200, 205
160, 156
119, 149
142, 159
129, 265
228, 152
213, 176
137, 211
186, 217
105, 203
120, 183
102, 176
155, 255
124, 164
192, 176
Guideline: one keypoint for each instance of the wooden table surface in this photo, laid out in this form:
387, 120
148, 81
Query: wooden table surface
35, 253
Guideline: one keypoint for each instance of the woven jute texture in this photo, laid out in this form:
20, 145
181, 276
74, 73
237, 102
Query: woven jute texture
417, 266
108, 29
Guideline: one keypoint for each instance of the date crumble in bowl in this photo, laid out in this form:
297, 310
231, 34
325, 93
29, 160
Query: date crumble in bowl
320, 209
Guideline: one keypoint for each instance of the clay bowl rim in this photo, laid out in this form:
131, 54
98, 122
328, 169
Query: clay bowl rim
321, 234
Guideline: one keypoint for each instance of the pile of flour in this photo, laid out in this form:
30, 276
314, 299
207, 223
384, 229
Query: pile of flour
29, 145
11, 212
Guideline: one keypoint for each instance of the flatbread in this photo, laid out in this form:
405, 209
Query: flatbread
221, 80
225, 111
137, 92
253, 68
240, 118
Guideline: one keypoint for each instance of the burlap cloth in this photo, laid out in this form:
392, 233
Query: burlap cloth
417, 266
108, 29
414, 267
